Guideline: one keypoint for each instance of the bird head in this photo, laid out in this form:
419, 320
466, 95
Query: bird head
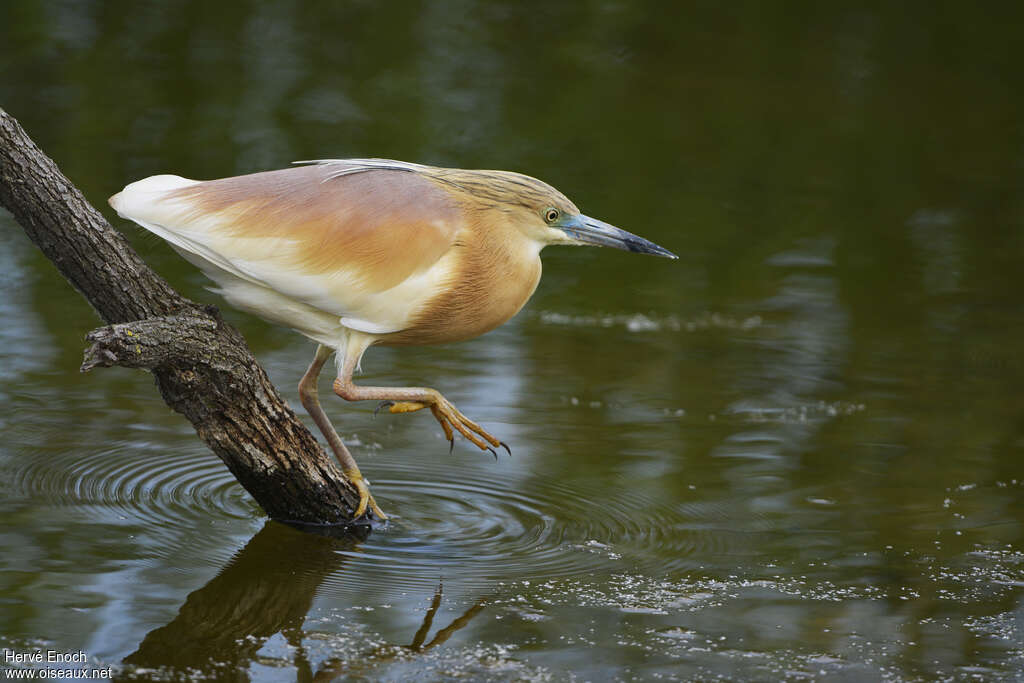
544, 214
572, 227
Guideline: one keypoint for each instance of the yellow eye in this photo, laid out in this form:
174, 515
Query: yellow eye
551, 215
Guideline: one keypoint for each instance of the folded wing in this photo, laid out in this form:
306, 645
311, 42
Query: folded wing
369, 245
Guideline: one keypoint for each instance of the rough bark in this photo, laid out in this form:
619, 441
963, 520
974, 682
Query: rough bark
202, 365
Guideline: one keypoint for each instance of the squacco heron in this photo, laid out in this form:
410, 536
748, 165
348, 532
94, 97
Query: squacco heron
357, 252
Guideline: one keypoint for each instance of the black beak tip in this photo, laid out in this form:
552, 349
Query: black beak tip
642, 246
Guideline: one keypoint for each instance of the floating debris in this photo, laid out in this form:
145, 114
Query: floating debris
807, 412
638, 322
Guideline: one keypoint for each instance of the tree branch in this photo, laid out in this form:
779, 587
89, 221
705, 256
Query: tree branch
154, 343
203, 367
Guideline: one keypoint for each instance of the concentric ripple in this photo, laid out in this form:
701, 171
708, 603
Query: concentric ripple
487, 530
133, 483
485, 525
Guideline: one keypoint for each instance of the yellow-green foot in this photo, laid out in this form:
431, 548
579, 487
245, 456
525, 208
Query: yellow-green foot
365, 499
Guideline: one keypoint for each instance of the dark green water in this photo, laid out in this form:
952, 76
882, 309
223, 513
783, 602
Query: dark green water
794, 453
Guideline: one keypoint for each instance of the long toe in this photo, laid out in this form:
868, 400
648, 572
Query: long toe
377, 512
365, 499
452, 419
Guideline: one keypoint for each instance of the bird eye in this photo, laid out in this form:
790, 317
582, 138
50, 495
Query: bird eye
551, 215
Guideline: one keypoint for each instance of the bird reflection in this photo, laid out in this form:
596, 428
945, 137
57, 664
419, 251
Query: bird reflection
445, 633
336, 667
266, 589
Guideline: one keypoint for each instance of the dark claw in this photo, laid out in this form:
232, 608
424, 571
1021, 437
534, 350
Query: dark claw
494, 453
505, 446
451, 445
382, 404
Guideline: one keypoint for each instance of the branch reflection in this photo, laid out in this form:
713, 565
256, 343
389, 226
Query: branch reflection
267, 588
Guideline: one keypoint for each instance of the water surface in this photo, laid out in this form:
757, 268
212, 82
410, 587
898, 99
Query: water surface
793, 453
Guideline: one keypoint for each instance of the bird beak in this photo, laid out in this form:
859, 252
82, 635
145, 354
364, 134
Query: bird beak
592, 231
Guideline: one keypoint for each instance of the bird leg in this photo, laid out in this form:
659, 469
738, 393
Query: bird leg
411, 399
310, 397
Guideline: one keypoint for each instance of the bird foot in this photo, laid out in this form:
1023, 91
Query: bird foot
451, 420
365, 499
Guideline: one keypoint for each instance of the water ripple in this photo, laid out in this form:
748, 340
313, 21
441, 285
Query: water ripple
487, 526
482, 529
136, 482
